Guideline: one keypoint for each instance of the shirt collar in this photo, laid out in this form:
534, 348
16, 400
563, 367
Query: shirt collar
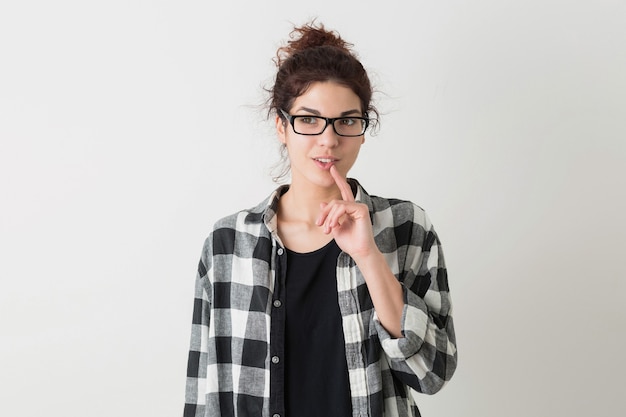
266, 211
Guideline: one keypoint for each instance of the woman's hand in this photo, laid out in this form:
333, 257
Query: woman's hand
348, 221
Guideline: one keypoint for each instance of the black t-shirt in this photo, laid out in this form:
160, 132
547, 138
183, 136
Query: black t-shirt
316, 372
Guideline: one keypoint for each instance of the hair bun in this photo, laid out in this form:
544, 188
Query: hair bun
310, 36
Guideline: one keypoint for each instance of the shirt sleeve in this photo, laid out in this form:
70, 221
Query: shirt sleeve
425, 357
195, 391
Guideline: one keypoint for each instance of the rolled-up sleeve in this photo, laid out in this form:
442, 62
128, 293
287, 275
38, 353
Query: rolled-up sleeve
425, 357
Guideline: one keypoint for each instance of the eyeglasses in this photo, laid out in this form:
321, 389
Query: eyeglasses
349, 126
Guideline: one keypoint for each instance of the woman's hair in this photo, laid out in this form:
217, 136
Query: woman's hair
314, 54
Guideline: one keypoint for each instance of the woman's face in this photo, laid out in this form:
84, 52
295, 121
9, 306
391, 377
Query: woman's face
311, 157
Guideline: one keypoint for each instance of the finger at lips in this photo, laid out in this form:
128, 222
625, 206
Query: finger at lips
344, 188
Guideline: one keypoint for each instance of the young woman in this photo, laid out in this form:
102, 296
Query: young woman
322, 300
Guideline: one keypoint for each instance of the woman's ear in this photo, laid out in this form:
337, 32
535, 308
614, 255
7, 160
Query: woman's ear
280, 129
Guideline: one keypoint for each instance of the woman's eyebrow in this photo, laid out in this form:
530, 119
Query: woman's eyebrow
317, 113
308, 110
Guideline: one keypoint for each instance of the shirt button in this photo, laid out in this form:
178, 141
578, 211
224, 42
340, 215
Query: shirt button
276, 415
280, 251
275, 359
277, 303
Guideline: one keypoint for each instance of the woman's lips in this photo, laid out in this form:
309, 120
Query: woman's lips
325, 162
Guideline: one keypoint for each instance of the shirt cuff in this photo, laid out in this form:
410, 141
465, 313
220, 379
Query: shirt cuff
414, 324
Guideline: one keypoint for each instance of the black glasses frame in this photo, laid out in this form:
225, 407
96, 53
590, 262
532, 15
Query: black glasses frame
329, 121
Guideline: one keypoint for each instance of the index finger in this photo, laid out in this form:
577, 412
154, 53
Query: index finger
344, 187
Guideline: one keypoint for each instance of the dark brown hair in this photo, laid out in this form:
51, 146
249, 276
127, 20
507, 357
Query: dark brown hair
314, 54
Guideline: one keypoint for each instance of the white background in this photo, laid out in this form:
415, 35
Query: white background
128, 127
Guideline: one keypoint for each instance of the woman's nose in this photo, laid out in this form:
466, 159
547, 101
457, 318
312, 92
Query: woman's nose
328, 137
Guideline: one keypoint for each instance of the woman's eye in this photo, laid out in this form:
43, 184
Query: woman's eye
308, 120
348, 122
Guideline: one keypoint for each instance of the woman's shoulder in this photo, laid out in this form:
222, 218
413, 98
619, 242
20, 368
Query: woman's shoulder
394, 210
249, 216
239, 232
399, 210
250, 219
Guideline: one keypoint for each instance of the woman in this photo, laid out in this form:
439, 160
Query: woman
322, 300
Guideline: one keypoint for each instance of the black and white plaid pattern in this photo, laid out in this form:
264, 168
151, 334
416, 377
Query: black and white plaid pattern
229, 359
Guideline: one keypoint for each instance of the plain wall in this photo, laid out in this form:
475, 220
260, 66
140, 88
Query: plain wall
128, 127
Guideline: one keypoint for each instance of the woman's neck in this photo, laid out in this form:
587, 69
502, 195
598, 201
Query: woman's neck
298, 211
301, 204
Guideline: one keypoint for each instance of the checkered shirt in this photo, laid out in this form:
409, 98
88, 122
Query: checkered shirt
230, 359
